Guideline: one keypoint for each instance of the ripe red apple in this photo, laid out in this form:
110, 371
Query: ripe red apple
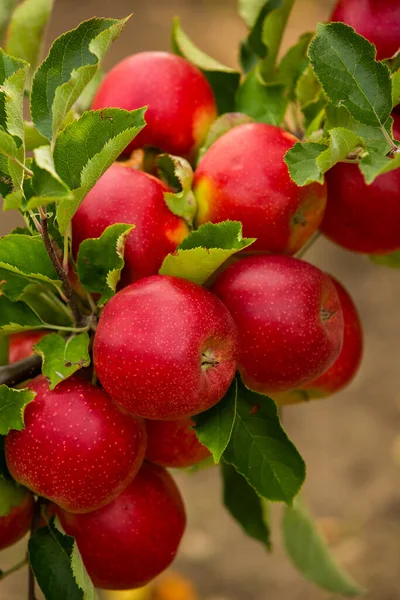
174, 443
21, 344
132, 540
78, 448
345, 367
376, 20
289, 319
165, 348
181, 104
125, 195
17, 523
243, 177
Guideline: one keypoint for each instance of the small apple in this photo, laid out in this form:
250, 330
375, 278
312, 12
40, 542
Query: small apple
174, 443
181, 104
125, 195
376, 20
243, 177
17, 523
289, 319
345, 367
133, 539
78, 448
165, 348
21, 344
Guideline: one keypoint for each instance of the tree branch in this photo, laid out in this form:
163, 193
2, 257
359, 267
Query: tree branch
20, 371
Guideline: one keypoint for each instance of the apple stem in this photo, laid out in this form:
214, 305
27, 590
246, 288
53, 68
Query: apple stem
13, 569
308, 244
208, 360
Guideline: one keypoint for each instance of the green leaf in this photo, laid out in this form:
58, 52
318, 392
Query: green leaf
310, 554
11, 495
344, 63
86, 148
4, 349
387, 260
214, 427
48, 307
342, 143
396, 88
6, 184
25, 256
177, 173
223, 80
294, 63
302, 162
85, 100
205, 250
17, 316
254, 47
63, 357
54, 559
264, 102
27, 28
72, 62
221, 126
308, 88
6, 9
46, 185
373, 164
260, 450
100, 261
33, 139
273, 29
245, 505
12, 407
249, 10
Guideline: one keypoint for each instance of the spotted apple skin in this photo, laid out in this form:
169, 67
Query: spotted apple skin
243, 177
180, 101
376, 20
174, 444
15, 525
78, 448
165, 348
289, 319
133, 539
125, 195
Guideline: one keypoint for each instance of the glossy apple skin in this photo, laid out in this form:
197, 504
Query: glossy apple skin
78, 448
181, 104
124, 195
243, 177
134, 538
376, 20
347, 364
289, 319
15, 525
21, 344
174, 444
149, 346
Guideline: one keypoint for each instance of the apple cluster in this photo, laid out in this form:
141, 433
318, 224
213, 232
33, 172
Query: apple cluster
166, 349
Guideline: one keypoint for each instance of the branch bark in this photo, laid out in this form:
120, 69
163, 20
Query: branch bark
20, 371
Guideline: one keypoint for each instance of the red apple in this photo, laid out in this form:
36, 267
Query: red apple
132, 540
174, 443
17, 523
376, 20
289, 319
181, 104
78, 448
165, 348
21, 344
345, 367
243, 177
125, 195
360, 217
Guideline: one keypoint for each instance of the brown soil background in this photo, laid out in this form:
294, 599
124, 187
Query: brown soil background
353, 484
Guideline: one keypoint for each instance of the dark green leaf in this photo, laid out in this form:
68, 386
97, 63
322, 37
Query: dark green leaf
12, 406
264, 102
62, 357
223, 80
302, 162
344, 63
47, 187
260, 450
311, 555
4, 349
294, 63
373, 164
396, 88
86, 148
47, 305
178, 175
11, 495
214, 427
387, 260
254, 47
17, 316
100, 261
245, 505
205, 250
72, 62
27, 28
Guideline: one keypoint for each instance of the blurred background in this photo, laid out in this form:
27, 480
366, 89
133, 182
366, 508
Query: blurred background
349, 442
